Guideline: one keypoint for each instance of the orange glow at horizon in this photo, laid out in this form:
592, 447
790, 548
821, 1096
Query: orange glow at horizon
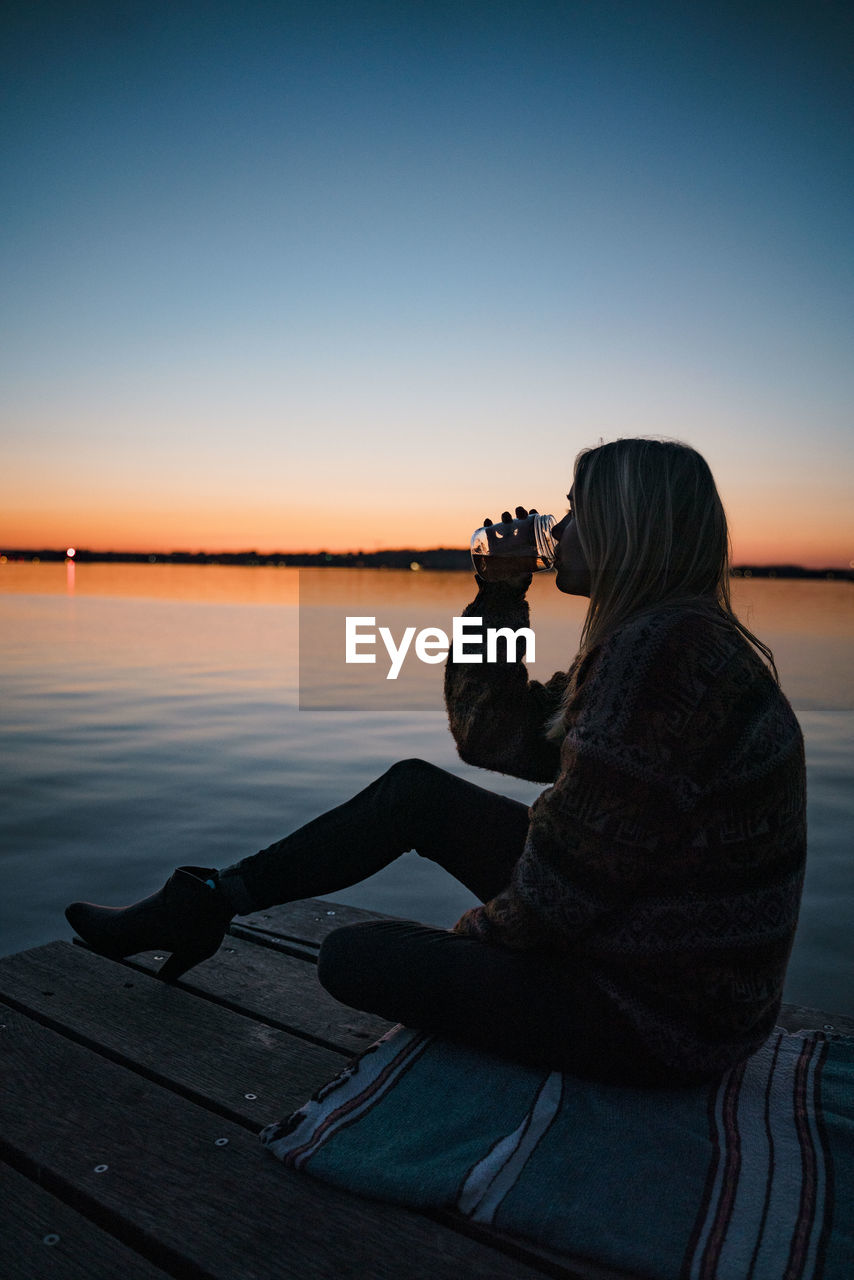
762, 531
757, 549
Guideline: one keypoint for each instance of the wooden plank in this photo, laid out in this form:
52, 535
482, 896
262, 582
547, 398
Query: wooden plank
795, 1017
147, 1164
43, 1239
280, 989
209, 1053
190, 1044
307, 922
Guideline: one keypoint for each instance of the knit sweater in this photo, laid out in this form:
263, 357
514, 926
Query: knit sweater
666, 858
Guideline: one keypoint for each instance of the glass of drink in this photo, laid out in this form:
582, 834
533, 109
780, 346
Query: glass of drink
514, 548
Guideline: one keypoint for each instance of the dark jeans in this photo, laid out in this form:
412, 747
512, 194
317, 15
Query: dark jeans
535, 1008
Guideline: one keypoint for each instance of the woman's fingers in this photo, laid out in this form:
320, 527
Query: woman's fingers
521, 514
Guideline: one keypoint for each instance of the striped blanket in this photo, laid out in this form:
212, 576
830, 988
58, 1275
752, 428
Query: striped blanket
749, 1179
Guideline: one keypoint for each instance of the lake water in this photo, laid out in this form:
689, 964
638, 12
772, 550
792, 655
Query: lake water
150, 717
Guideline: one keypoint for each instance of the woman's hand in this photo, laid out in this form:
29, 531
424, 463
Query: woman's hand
521, 514
502, 530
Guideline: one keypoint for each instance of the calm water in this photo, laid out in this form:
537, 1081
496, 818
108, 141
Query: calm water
149, 717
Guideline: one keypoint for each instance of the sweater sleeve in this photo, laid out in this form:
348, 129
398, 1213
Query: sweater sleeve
497, 716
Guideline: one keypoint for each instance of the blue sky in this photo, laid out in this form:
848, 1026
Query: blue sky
286, 275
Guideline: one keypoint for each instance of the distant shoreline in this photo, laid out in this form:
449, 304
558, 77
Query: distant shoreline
443, 558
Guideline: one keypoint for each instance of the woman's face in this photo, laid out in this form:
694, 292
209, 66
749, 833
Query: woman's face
573, 571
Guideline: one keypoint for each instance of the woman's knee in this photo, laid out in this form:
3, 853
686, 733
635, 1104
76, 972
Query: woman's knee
343, 962
409, 775
376, 963
408, 794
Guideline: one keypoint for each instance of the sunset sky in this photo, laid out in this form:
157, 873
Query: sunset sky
354, 275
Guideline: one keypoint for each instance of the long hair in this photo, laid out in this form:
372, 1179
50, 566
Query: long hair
654, 533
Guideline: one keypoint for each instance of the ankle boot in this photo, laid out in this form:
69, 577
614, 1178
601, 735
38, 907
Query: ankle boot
186, 917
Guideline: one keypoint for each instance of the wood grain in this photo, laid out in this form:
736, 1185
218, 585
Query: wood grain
208, 1053
281, 990
194, 1207
43, 1239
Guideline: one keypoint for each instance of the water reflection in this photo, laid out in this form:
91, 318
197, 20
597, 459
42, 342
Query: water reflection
226, 584
150, 718
808, 624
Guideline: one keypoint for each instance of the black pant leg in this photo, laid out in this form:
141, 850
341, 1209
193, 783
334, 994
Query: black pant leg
475, 834
535, 1009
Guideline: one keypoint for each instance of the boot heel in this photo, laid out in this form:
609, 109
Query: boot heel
180, 961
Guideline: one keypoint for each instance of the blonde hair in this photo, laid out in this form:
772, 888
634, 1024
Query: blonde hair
654, 533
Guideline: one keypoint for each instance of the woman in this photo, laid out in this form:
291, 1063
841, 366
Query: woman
636, 922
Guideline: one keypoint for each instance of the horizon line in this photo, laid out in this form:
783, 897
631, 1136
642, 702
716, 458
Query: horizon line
446, 558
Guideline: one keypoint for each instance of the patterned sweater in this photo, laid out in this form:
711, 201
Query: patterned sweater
667, 856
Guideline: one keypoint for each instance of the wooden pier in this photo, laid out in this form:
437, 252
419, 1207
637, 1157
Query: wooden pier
129, 1114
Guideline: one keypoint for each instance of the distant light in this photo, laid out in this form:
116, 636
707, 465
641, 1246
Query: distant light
70, 552
415, 565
